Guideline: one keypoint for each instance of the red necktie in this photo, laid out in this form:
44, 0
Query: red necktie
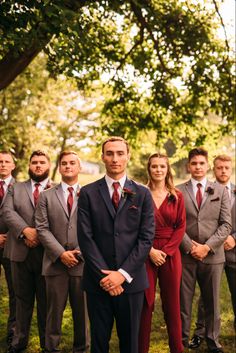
36, 193
70, 199
115, 196
199, 195
1, 190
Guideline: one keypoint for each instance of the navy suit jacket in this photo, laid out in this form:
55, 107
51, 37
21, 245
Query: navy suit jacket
112, 239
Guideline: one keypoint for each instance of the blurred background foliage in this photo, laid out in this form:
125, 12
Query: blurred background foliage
155, 72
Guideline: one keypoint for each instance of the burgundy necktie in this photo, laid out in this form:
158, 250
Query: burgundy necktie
70, 199
36, 193
199, 195
115, 196
1, 190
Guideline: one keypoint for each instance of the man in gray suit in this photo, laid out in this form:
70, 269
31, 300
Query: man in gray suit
56, 224
7, 165
25, 250
223, 171
208, 225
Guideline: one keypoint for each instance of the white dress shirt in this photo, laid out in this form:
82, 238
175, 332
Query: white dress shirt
109, 182
194, 182
6, 183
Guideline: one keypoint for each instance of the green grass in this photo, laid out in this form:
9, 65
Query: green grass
158, 338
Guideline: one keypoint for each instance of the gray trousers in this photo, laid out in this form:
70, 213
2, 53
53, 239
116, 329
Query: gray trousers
29, 284
59, 288
208, 277
231, 279
12, 300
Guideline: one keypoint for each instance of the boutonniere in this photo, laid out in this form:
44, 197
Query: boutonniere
171, 198
127, 192
48, 186
210, 190
78, 192
10, 185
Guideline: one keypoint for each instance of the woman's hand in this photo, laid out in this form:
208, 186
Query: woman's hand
158, 257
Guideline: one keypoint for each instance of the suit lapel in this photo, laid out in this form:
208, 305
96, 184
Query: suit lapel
233, 196
29, 191
123, 199
189, 189
75, 201
12, 181
206, 194
106, 197
60, 196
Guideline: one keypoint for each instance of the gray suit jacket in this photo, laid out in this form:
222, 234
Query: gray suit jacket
208, 225
18, 214
3, 226
231, 254
57, 231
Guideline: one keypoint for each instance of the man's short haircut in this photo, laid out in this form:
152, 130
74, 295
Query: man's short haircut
113, 139
222, 158
7, 152
66, 153
39, 153
199, 151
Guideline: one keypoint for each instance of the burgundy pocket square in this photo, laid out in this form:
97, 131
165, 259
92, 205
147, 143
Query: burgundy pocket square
217, 199
133, 207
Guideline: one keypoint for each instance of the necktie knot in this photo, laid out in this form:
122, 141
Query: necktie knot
199, 185
116, 185
2, 182
70, 189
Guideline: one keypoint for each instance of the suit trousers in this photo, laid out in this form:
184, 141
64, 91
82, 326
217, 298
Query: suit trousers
208, 277
12, 300
59, 288
125, 309
231, 279
29, 283
169, 275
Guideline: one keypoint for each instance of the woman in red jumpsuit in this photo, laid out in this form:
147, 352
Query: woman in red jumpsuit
164, 261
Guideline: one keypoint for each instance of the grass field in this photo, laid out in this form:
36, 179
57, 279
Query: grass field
158, 339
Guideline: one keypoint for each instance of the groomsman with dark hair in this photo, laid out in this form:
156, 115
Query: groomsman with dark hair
56, 224
26, 252
208, 221
7, 165
222, 168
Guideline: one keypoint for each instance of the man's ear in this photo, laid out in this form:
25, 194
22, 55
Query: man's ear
187, 167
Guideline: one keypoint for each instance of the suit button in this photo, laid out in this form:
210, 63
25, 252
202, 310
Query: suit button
116, 234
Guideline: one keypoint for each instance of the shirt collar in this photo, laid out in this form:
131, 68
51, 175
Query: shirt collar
7, 181
43, 183
228, 185
66, 186
195, 182
110, 181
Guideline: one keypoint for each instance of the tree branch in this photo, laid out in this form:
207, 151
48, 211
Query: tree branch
138, 13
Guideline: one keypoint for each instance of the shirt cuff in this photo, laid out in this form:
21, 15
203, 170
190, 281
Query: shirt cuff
128, 278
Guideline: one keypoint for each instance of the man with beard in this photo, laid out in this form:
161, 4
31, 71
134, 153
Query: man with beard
7, 165
26, 252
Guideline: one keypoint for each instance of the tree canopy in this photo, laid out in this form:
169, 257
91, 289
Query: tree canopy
163, 60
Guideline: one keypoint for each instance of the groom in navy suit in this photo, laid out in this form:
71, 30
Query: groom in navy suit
115, 234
